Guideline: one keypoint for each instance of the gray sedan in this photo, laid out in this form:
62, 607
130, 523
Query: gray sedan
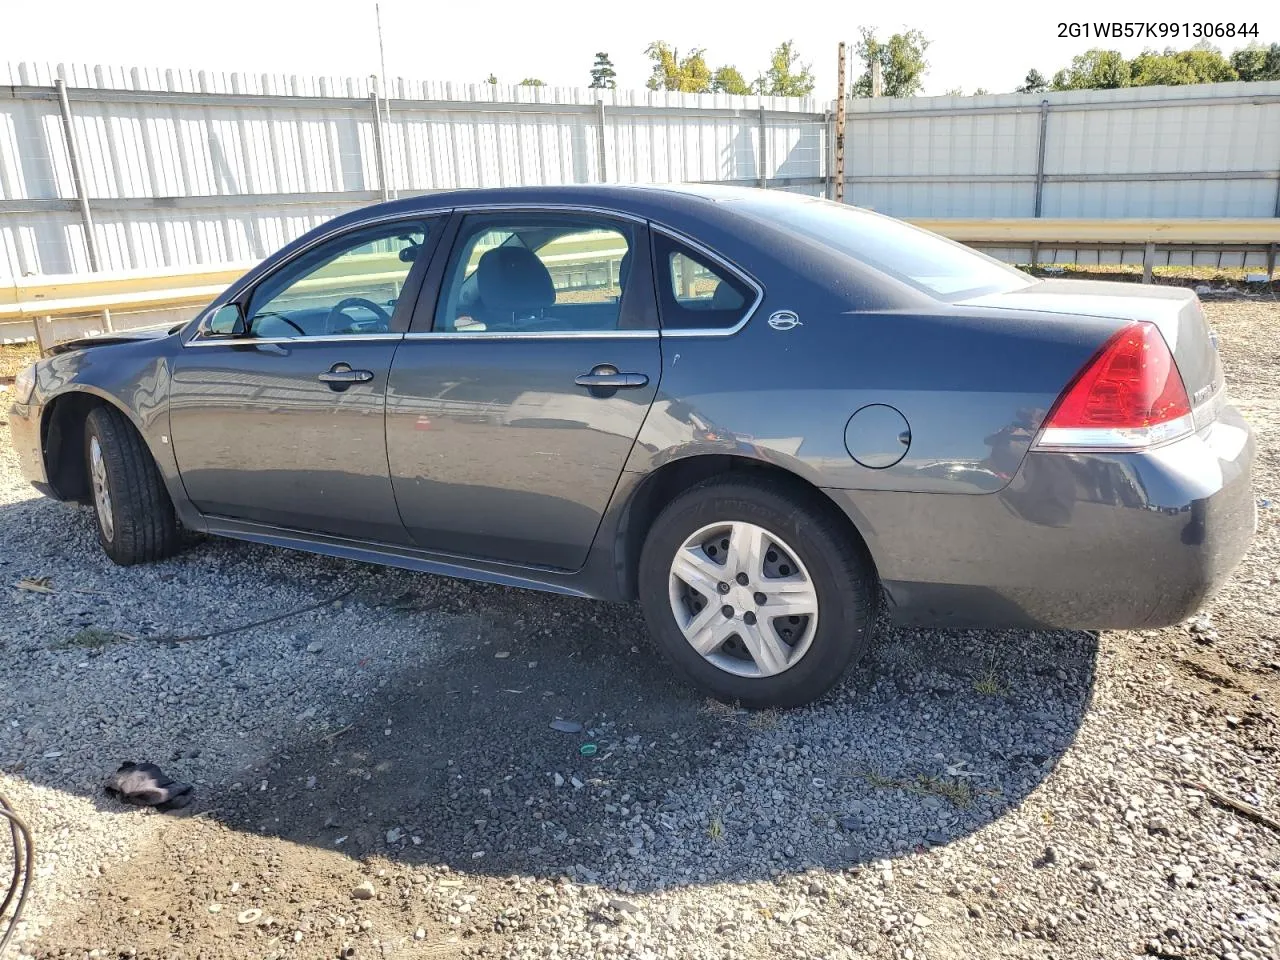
761, 415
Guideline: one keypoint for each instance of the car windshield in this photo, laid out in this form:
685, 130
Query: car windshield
940, 267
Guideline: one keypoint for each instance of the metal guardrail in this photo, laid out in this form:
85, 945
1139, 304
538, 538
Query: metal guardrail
33, 299
1252, 231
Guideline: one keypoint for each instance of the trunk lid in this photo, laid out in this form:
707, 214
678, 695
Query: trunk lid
1176, 311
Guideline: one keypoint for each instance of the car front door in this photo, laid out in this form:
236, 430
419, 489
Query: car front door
519, 391
282, 421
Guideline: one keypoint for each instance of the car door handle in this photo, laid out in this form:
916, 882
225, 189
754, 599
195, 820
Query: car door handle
342, 373
612, 381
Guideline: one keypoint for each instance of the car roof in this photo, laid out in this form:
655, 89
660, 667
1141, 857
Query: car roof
652, 200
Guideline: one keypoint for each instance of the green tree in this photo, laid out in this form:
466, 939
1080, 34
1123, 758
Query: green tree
902, 63
1256, 62
729, 80
532, 82
603, 76
1203, 63
1094, 70
671, 72
492, 79
786, 76
1034, 83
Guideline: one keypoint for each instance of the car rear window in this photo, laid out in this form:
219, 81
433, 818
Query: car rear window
938, 266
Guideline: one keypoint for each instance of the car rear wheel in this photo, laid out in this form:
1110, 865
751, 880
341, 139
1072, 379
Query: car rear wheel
136, 522
755, 593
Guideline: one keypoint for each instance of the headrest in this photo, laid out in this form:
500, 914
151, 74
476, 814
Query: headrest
726, 298
511, 278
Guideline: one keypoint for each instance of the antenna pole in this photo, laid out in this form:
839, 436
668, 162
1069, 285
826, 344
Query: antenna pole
386, 95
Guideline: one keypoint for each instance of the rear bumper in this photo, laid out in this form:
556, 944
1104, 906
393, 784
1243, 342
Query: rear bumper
24, 431
1079, 541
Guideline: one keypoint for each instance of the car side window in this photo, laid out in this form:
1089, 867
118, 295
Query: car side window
552, 273
349, 285
694, 291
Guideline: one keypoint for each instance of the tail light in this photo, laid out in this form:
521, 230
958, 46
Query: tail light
1129, 396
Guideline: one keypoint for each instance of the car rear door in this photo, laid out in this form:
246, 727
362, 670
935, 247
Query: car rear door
516, 396
283, 423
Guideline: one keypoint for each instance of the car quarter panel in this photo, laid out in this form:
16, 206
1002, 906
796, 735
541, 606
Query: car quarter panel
1085, 541
973, 388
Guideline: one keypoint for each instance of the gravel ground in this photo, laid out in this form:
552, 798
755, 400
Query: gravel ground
378, 776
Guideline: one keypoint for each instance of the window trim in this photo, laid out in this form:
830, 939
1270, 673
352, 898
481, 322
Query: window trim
720, 260
422, 323
412, 286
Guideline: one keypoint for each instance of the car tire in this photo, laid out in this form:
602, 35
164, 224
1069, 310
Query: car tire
767, 660
135, 518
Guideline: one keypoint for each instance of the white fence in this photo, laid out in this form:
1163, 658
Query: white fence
1209, 150
183, 168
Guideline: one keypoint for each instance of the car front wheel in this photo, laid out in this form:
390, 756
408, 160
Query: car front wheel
756, 592
135, 517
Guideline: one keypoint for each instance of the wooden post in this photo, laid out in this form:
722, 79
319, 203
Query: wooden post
840, 111
38, 323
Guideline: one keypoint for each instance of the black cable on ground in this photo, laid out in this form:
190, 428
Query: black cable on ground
172, 640
24, 857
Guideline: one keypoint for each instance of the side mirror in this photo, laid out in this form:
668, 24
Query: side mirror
227, 321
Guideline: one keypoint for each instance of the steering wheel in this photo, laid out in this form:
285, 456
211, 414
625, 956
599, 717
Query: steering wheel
341, 305
272, 315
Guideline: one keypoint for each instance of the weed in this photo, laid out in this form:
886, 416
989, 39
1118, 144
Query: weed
878, 781
92, 638
719, 710
990, 685
959, 793
715, 830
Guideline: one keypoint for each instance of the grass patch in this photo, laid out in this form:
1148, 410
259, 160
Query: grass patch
720, 710
715, 830
956, 792
764, 719
92, 638
990, 685
959, 793
735, 713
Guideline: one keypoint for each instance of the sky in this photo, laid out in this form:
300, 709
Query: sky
990, 45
